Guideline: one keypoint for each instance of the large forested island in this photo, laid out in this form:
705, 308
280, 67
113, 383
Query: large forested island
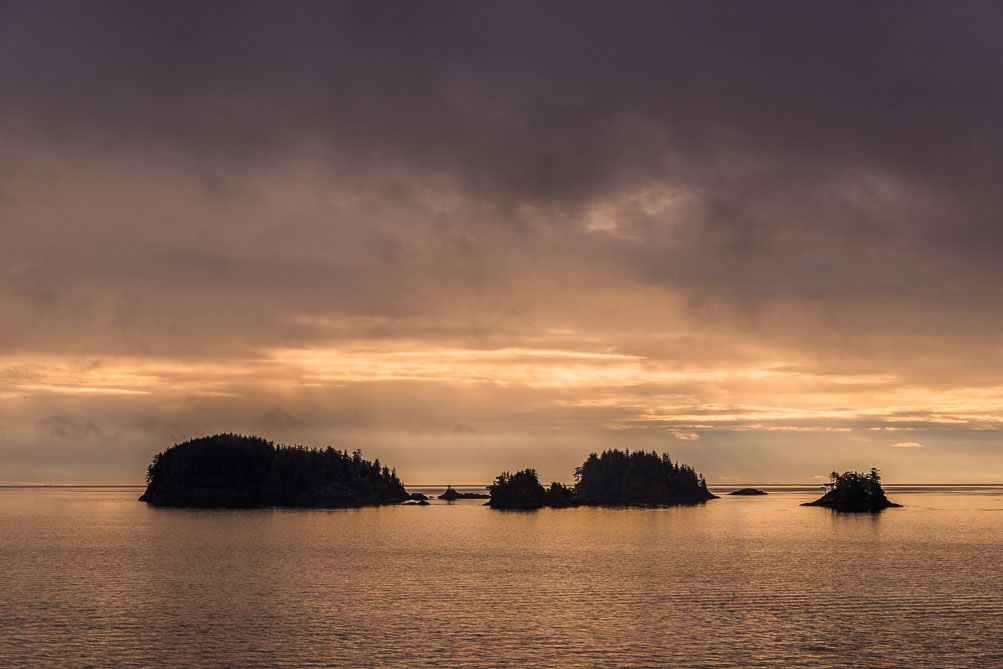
229, 470
853, 491
614, 478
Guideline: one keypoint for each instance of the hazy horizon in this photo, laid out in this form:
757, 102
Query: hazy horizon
764, 238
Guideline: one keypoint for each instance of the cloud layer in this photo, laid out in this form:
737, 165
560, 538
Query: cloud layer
484, 235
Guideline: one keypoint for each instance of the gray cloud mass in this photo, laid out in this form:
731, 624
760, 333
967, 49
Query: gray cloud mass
804, 190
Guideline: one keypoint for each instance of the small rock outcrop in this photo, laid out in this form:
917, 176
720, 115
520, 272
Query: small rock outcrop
451, 495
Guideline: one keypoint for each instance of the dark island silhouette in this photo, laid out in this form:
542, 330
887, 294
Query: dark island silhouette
853, 491
523, 490
450, 495
614, 478
230, 470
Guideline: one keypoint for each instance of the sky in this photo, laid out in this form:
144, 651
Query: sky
467, 237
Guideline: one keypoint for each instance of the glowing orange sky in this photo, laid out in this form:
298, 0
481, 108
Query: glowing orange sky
477, 399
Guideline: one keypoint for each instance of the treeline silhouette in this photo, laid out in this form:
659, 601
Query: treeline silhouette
238, 470
639, 477
523, 490
854, 491
613, 477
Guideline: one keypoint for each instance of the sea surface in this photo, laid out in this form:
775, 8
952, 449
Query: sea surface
92, 577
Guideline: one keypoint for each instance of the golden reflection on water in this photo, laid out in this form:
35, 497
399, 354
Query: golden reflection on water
94, 577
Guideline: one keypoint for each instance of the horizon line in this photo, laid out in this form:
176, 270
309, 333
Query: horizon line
474, 485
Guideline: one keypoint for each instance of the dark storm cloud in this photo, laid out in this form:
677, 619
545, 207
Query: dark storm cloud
829, 148
524, 100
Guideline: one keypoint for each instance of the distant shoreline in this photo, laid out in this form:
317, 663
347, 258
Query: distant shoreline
484, 485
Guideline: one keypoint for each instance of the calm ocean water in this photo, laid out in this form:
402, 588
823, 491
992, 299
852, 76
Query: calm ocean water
90, 576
